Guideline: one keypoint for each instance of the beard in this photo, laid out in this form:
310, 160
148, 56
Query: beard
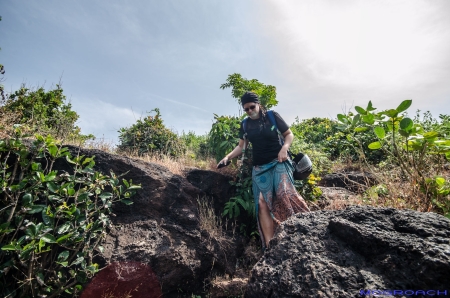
254, 115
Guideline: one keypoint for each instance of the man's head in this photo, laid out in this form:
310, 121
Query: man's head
250, 103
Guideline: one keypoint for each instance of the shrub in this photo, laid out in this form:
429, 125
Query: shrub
44, 112
196, 145
150, 136
415, 150
224, 135
51, 223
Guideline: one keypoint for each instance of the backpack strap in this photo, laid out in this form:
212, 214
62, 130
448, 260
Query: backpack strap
274, 124
246, 143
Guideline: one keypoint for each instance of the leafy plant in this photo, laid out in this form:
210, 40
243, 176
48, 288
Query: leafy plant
406, 142
45, 112
224, 135
51, 223
197, 146
149, 135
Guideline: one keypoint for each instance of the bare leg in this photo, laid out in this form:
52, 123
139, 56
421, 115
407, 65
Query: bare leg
265, 220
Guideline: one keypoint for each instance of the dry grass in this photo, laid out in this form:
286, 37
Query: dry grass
100, 144
208, 219
393, 190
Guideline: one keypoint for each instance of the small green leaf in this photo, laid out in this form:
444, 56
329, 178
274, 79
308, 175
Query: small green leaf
36, 209
62, 238
374, 145
342, 118
404, 105
35, 166
27, 199
370, 107
134, 187
51, 176
9, 247
48, 238
356, 119
52, 187
45, 218
440, 181
53, 150
63, 228
379, 132
126, 202
106, 195
360, 129
77, 261
360, 110
430, 134
406, 124
69, 160
369, 118
391, 113
63, 256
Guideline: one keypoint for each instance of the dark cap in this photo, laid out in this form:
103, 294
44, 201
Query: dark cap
249, 97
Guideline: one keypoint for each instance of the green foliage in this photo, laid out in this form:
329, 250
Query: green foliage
327, 135
243, 199
267, 93
51, 223
224, 135
150, 136
439, 189
308, 188
45, 112
197, 146
408, 144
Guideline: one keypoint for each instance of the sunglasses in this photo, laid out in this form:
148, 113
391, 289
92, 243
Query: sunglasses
250, 108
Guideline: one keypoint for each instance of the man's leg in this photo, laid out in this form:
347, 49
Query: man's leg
265, 220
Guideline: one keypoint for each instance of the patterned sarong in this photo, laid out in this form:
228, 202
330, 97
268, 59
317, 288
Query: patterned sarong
276, 183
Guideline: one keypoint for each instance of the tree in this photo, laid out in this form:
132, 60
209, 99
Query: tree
267, 93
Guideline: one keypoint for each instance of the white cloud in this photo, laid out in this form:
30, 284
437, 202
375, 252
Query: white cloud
349, 52
102, 119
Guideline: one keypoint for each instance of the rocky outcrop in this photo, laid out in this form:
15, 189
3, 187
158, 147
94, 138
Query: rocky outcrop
340, 253
355, 181
213, 185
162, 229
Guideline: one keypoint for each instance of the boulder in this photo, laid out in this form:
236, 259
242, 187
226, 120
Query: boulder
333, 198
339, 253
213, 185
355, 181
161, 228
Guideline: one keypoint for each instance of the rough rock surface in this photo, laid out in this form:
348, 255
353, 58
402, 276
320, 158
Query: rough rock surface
339, 253
162, 229
334, 198
355, 181
213, 185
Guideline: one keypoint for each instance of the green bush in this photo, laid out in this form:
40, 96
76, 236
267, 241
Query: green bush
151, 136
224, 135
197, 146
45, 112
51, 223
415, 150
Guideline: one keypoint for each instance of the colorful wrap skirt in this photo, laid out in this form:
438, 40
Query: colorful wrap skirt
275, 182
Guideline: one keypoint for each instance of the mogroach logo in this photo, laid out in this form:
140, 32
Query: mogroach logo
376, 293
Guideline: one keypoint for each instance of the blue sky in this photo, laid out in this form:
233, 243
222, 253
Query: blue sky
118, 60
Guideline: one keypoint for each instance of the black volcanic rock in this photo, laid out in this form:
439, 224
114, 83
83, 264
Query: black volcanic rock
339, 253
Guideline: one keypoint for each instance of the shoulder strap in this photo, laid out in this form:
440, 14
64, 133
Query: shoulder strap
274, 123
244, 125
272, 118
